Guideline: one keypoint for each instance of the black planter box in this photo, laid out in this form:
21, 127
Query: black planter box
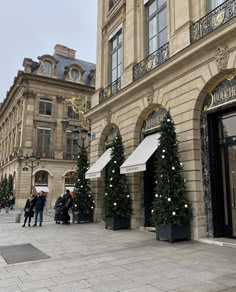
82, 217
173, 232
117, 222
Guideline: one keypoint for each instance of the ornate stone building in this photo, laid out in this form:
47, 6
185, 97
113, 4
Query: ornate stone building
40, 98
154, 55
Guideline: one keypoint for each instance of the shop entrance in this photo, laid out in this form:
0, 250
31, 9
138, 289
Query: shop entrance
223, 172
227, 127
149, 184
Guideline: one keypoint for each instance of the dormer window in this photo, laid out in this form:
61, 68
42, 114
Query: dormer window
74, 74
45, 107
47, 68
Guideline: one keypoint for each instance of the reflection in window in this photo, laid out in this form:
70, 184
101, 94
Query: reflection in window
44, 142
74, 74
45, 107
47, 68
116, 56
157, 25
41, 178
70, 179
71, 146
212, 4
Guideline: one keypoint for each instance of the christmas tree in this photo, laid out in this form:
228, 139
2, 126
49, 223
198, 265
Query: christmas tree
170, 205
83, 197
117, 198
4, 197
10, 186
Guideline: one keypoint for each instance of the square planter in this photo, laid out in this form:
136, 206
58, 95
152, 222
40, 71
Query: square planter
117, 222
173, 232
82, 217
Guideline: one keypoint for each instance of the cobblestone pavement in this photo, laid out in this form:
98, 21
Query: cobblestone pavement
88, 258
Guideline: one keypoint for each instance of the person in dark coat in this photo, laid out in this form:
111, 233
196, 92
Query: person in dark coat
67, 204
58, 209
39, 206
29, 209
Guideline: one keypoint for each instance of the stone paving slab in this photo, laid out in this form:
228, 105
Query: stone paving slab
86, 257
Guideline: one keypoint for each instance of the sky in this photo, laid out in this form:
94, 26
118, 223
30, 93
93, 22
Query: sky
30, 28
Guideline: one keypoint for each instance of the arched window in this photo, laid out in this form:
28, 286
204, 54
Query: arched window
70, 179
41, 178
111, 135
47, 68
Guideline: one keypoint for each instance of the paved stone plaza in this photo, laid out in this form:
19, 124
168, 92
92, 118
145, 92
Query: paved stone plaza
88, 258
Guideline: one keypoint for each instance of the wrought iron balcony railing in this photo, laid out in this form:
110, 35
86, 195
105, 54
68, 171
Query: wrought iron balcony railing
151, 62
212, 20
112, 3
110, 90
45, 154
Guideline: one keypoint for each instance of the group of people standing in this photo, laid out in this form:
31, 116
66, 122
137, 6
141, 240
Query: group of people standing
35, 204
34, 207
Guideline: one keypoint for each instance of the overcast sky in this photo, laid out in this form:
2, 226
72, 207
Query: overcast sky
31, 28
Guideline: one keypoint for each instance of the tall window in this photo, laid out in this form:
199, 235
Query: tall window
45, 107
47, 68
212, 4
71, 113
44, 142
71, 147
116, 56
156, 25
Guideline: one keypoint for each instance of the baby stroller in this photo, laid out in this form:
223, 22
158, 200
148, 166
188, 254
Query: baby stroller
59, 210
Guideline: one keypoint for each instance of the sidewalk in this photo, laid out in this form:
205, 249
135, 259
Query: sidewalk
10, 217
88, 258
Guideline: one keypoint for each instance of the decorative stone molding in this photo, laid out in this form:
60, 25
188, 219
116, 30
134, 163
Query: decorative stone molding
150, 95
221, 57
60, 98
108, 115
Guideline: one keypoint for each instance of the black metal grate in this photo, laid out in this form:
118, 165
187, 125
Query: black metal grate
13, 254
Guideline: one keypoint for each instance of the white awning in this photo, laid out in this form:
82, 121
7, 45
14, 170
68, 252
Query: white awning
71, 189
95, 170
137, 160
41, 188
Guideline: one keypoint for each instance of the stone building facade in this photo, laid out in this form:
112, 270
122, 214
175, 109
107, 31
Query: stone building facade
30, 122
155, 55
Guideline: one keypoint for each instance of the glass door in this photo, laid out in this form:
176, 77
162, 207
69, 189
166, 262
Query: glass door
227, 135
232, 184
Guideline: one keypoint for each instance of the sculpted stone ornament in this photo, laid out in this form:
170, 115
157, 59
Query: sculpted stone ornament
108, 116
150, 95
221, 57
79, 106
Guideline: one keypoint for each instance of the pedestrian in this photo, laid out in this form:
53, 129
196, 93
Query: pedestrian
29, 209
39, 206
58, 209
67, 204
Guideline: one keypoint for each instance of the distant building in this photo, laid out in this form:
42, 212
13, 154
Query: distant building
30, 122
155, 55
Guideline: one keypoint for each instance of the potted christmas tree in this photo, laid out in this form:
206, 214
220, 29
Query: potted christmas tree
117, 202
83, 199
171, 212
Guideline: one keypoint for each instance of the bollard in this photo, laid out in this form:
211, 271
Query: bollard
18, 216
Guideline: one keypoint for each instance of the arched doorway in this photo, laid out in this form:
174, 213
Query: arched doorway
218, 136
150, 126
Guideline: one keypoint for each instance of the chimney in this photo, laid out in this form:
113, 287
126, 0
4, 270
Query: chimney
64, 51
